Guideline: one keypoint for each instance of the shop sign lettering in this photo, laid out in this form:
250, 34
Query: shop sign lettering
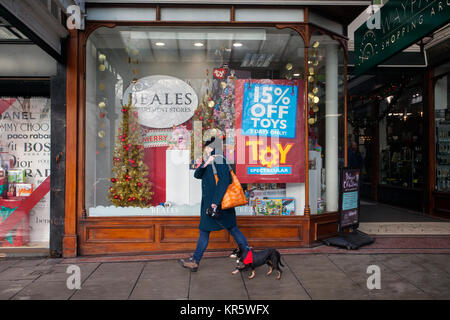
401, 24
162, 101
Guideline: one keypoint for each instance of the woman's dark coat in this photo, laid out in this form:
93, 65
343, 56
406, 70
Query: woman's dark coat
212, 193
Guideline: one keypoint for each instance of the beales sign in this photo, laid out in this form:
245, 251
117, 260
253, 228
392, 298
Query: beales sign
401, 24
162, 101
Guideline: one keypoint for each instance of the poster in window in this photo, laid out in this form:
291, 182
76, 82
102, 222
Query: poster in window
270, 131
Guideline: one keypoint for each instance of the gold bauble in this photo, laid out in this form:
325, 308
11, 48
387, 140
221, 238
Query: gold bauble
310, 79
311, 120
311, 71
315, 108
101, 57
101, 134
102, 67
316, 99
289, 66
101, 86
211, 104
315, 90
101, 105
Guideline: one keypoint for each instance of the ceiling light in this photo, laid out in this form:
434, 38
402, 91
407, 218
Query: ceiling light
198, 44
296, 74
160, 44
237, 44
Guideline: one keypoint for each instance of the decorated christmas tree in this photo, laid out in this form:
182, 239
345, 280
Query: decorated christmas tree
130, 185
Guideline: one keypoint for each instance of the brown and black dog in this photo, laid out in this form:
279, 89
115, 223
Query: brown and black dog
249, 259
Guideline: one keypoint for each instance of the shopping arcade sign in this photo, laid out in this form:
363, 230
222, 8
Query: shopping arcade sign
401, 24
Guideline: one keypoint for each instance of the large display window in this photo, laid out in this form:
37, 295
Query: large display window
155, 94
326, 108
24, 172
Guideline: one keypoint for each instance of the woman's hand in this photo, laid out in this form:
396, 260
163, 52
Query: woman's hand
210, 160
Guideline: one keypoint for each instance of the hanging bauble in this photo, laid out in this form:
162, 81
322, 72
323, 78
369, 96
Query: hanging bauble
101, 105
211, 104
102, 67
311, 120
101, 57
310, 79
101, 134
289, 66
315, 108
315, 90
101, 86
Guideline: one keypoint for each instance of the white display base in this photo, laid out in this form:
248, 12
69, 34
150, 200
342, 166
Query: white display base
177, 176
297, 191
158, 211
195, 189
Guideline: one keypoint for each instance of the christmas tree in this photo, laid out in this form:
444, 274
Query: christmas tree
130, 185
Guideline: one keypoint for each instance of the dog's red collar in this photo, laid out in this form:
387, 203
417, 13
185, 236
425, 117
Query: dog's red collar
249, 258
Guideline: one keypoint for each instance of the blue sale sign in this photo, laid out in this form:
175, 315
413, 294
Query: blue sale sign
269, 110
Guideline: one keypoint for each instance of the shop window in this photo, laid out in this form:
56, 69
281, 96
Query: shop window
401, 136
154, 95
24, 172
442, 125
325, 76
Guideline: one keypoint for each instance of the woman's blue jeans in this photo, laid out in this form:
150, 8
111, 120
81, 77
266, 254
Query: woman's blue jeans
203, 240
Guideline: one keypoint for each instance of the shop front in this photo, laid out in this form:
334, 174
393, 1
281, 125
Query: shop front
147, 85
397, 105
31, 128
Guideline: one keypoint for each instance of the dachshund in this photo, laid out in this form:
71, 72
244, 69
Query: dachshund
249, 259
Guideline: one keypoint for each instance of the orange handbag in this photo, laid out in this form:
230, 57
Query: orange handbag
234, 197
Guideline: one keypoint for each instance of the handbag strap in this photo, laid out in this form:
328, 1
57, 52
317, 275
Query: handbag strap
214, 166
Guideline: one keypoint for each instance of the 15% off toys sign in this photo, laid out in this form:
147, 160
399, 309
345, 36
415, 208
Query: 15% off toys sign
270, 131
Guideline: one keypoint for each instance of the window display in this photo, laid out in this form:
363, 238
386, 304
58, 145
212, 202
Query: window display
154, 95
24, 172
442, 125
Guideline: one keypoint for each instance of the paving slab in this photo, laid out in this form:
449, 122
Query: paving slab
322, 279
214, 281
58, 272
263, 287
110, 281
11, 287
164, 280
435, 261
50, 290
23, 273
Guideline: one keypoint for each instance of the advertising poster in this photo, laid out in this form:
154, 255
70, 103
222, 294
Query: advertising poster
349, 198
25, 132
270, 131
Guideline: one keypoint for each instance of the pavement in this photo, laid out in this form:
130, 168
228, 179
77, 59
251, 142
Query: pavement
328, 275
411, 252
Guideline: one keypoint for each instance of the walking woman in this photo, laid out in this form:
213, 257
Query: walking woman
212, 195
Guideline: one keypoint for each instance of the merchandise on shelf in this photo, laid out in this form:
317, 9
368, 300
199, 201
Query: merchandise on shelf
16, 175
24, 189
